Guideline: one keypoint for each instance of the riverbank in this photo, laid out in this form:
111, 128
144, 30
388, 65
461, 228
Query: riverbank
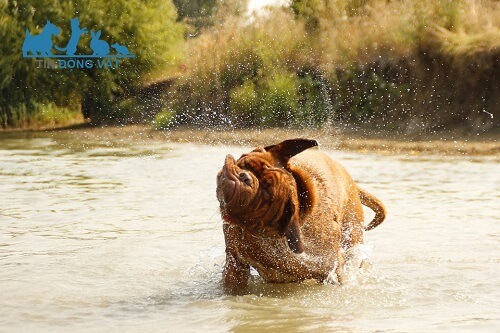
455, 143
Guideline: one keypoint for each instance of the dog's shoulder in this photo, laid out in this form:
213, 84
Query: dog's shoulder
317, 164
308, 168
313, 163
317, 176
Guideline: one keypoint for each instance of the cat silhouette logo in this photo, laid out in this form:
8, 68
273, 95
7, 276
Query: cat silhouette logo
41, 45
76, 33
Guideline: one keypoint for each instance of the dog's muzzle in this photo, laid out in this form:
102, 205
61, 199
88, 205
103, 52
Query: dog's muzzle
228, 181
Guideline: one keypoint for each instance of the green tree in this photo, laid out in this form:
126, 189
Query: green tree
195, 8
148, 28
196, 13
199, 14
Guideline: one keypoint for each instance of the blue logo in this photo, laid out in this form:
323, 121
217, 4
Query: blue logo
41, 46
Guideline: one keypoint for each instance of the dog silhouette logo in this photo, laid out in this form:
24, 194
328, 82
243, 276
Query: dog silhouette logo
41, 45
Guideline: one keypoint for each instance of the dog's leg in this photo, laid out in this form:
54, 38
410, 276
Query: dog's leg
235, 275
339, 270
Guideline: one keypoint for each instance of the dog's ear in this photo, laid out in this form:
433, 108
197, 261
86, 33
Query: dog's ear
289, 148
290, 227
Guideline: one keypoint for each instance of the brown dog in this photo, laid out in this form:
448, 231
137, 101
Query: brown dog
289, 213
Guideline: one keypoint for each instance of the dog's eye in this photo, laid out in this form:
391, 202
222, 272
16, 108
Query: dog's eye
245, 165
266, 190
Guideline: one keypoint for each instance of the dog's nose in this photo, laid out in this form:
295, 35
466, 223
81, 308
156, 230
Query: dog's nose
245, 178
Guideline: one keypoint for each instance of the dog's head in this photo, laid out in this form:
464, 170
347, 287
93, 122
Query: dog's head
259, 193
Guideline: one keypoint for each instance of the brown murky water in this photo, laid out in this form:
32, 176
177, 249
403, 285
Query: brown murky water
126, 236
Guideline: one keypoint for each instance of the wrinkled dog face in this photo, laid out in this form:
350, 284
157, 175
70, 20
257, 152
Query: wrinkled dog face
252, 192
257, 192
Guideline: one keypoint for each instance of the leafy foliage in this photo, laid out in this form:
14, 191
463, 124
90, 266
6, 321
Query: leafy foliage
196, 13
147, 28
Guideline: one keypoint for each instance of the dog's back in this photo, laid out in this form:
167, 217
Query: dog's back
333, 214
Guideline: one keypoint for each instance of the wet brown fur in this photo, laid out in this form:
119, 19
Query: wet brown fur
293, 214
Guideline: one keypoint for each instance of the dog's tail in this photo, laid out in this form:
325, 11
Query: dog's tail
372, 202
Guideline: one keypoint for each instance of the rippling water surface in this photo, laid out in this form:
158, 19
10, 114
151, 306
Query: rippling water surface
126, 236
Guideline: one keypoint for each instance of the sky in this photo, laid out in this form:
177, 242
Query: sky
257, 4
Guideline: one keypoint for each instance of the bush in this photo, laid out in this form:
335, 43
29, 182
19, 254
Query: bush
315, 104
278, 99
281, 99
50, 115
244, 105
361, 95
223, 64
164, 119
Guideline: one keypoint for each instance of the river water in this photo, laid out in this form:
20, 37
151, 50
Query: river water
126, 236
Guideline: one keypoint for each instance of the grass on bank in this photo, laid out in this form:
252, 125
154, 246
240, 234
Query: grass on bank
46, 115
